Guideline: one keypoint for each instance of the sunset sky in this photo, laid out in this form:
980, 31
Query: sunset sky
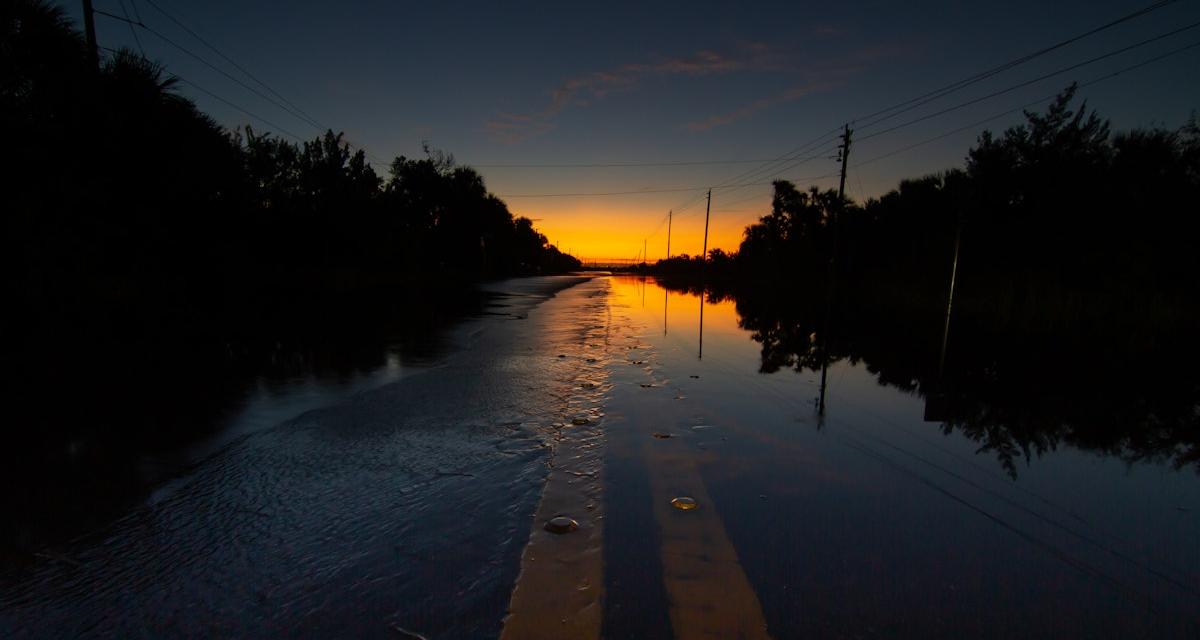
597, 119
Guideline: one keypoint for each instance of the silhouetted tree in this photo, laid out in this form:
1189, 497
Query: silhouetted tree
796, 236
46, 87
443, 216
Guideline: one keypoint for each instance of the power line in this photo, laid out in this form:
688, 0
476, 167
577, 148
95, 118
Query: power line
133, 31
955, 86
305, 119
1035, 80
291, 109
1026, 105
601, 193
924, 99
604, 165
1021, 108
243, 110
223, 100
302, 114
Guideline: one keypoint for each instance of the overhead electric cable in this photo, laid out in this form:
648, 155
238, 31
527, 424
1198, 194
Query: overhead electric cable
602, 193
302, 114
955, 86
306, 120
604, 165
1029, 82
243, 110
294, 112
223, 100
133, 31
1027, 105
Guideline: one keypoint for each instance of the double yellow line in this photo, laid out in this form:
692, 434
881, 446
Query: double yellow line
560, 591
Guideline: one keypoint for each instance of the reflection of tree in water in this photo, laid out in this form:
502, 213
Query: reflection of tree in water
108, 416
787, 332
1021, 393
1018, 391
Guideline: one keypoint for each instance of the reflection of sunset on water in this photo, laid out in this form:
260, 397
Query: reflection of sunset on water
850, 507
678, 312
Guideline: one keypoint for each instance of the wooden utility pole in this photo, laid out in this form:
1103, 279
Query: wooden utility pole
669, 233
845, 153
707, 209
89, 27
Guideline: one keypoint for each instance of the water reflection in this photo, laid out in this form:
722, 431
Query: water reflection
1017, 390
108, 416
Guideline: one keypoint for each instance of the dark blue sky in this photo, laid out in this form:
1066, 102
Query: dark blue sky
535, 95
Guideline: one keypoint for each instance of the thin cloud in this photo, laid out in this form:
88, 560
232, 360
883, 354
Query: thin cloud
513, 128
825, 30
821, 76
757, 106
580, 91
586, 89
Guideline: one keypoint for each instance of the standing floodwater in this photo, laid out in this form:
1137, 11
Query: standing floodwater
406, 505
1027, 492
1006, 487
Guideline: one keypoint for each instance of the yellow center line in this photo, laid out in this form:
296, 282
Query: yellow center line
709, 593
560, 591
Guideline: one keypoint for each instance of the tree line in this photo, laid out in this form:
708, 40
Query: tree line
1074, 307
1017, 391
1057, 215
121, 193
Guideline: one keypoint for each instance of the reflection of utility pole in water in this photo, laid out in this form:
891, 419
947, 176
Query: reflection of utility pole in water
845, 153
665, 294
939, 405
949, 303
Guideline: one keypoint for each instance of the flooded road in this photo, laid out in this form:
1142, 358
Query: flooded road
868, 521
414, 507
404, 506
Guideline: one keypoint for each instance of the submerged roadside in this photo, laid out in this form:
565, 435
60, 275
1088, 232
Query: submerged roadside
405, 506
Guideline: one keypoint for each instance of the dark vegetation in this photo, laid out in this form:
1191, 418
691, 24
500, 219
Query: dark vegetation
139, 233
127, 202
156, 265
1059, 220
1074, 318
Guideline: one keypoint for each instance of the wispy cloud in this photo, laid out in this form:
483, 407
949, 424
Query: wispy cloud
826, 30
586, 89
512, 127
819, 76
757, 106
816, 76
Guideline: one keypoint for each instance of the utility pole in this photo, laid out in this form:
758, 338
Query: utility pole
845, 153
89, 27
707, 209
950, 300
669, 233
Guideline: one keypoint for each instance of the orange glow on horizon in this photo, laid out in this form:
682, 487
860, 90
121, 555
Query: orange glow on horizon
599, 231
